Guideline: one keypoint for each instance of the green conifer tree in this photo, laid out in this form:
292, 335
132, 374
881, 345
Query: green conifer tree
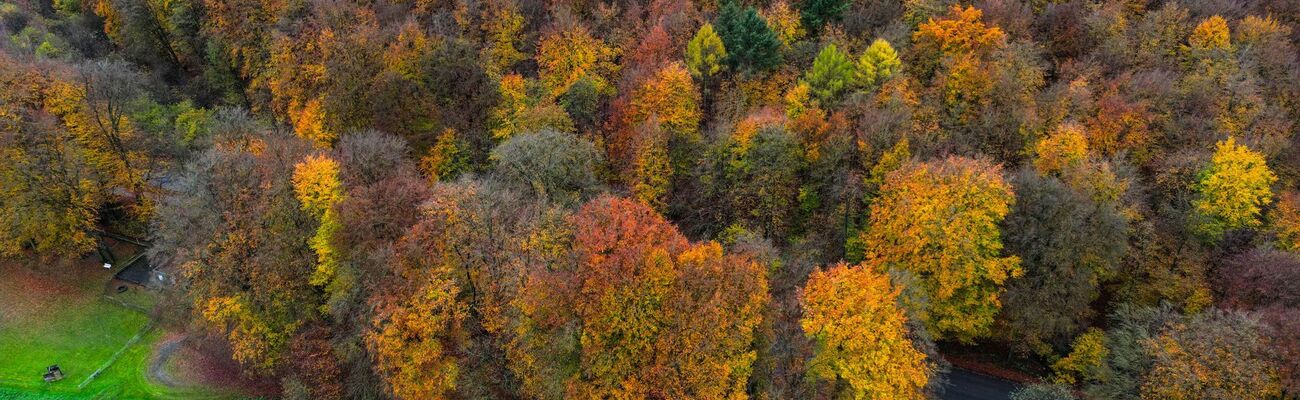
750, 43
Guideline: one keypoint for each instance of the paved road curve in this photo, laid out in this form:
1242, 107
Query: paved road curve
968, 385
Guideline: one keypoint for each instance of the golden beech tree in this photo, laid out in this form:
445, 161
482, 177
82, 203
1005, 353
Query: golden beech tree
445, 159
671, 99
568, 55
625, 270
663, 112
1065, 148
1088, 351
1211, 61
404, 52
40, 215
715, 309
416, 330
512, 109
966, 88
853, 314
798, 100
503, 26
254, 340
1211, 34
968, 67
523, 110
784, 22
309, 122
296, 70
652, 172
939, 221
959, 31
1065, 153
408, 345
318, 188
316, 183
50, 199
891, 160
1232, 190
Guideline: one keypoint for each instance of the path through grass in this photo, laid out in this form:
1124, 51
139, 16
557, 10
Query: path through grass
61, 317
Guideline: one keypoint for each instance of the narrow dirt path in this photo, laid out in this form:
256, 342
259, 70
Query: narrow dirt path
158, 364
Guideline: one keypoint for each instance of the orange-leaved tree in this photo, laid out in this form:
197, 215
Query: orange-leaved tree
625, 272
656, 316
714, 309
416, 330
1285, 221
669, 97
958, 33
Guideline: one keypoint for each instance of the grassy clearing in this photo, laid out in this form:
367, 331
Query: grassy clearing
66, 320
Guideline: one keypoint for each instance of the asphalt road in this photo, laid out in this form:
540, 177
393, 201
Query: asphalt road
967, 385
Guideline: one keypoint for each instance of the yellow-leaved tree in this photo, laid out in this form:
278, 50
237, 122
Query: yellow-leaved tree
705, 53
1210, 34
659, 317
49, 199
318, 188
878, 63
406, 339
670, 98
852, 313
1065, 148
523, 110
664, 110
503, 27
568, 55
1088, 352
939, 221
784, 22
1232, 190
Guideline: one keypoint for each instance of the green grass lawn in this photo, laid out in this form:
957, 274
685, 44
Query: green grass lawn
65, 320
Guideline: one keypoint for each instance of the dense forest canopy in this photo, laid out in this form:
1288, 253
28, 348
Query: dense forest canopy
672, 199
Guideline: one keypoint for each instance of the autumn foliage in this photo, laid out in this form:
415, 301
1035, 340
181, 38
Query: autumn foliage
643, 292
853, 313
677, 199
1233, 188
939, 220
